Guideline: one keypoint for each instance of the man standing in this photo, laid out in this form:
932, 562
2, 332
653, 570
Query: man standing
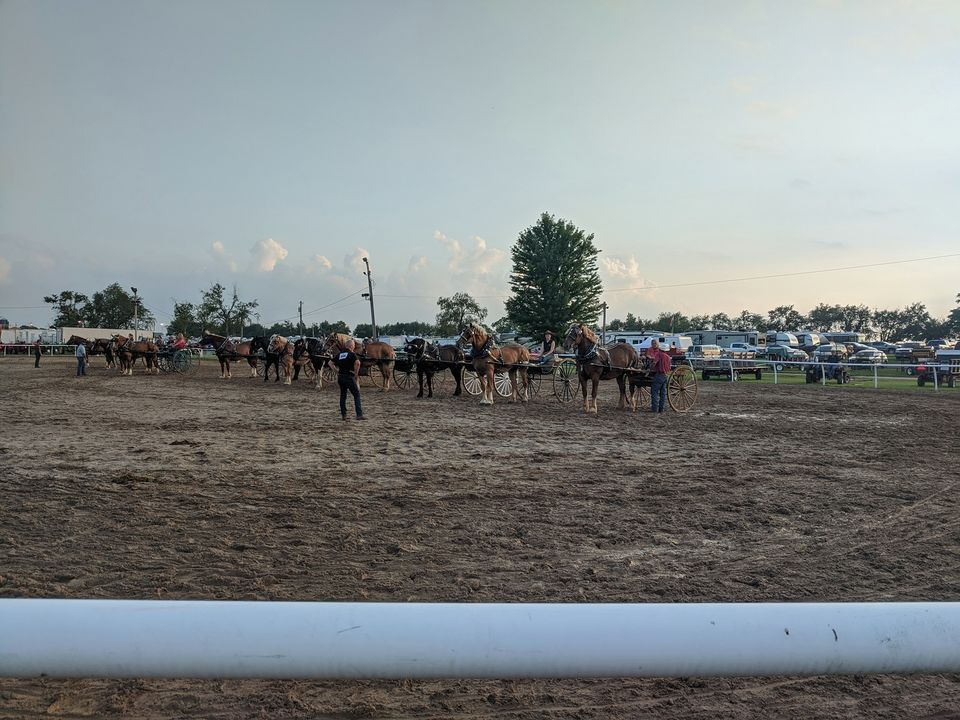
37, 351
81, 359
348, 368
660, 365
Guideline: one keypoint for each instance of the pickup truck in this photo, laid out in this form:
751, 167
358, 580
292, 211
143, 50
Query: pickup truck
742, 347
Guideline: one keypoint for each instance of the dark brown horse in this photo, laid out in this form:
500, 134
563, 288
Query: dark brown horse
270, 359
309, 350
129, 351
431, 359
94, 347
371, 352
596, 363
283, 349
488, 358
227, 350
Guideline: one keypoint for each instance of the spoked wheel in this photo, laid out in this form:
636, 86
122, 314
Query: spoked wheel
440, 378
260, 366
534, 380
471, 382
565, 380
375, 377
682, 389
164, 364
309, 371
182, 361
405, 379
501, 382
643, 398
328, 376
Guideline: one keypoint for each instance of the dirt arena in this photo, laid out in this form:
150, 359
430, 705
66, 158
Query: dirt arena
194, 487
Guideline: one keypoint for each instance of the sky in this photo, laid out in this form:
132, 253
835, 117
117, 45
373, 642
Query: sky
272, 146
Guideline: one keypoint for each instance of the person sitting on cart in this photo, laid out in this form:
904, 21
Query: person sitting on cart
549, 352
660, 365
180, 343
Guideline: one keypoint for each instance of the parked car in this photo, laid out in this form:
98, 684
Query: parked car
870, 356
829, 350
884, 346
742, 347
785, 356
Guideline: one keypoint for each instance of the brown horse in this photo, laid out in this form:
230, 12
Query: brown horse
228, 351
129, 351
371, 352
94, 347
487, 358
283, 349
596, 363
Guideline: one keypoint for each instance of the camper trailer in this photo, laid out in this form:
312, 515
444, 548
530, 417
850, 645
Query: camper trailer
725, 338
677, 343
782, 338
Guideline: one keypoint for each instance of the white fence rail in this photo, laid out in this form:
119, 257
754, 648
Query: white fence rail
222, 639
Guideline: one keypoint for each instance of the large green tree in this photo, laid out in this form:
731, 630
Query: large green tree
454, 312
225, 314
555, 279
113, 307
69, 307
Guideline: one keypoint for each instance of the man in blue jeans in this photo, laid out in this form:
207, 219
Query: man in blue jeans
81, 359
348, 368
660, 366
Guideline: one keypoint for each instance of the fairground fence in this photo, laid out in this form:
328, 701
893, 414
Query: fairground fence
937, 372
287, 640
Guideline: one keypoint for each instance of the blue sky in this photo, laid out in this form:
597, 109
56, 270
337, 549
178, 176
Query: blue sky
272, 145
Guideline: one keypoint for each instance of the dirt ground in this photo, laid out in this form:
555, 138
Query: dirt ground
194, 487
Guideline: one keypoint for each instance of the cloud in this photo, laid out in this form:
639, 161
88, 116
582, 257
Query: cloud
478, 259
220, 254
267, 253
625, 273
317, 264
4, 269
417, 263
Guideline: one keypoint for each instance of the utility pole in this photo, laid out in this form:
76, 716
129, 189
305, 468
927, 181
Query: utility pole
300, 310
604, 333
136, 325
373, 317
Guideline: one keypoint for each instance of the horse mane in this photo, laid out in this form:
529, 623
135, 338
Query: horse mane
589, 334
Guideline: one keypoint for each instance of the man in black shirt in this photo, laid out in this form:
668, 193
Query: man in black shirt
348, 368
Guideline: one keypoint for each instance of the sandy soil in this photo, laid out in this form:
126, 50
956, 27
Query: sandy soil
196, 487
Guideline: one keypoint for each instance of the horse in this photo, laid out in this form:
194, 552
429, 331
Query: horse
487, 357
262, 342
107, 347
130, 351
228, 350
283, 349
308, 350
596, 363
371, 352
431, 359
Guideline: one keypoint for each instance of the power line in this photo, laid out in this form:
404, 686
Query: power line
782, 275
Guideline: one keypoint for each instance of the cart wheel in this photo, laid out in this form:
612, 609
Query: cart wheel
440, 378
643, 401
682, 389
328, 376
779, 367
565, 380
182, 361
736, 375
308, 371
260, 365
375, 377
404, 379
471, 382
534, 380
910, 371
501, 383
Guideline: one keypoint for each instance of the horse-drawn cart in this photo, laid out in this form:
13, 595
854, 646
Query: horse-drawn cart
178, 360
562, 376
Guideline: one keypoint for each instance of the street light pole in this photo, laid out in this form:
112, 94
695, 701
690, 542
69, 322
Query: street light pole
373, 317
136, 324
604, 341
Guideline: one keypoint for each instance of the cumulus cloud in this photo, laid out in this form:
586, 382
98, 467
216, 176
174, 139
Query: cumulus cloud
220, 254
477, 258
625, 273
417, 263
318, 264
267, 253
4, 269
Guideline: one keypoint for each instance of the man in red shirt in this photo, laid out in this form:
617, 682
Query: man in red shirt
660, 364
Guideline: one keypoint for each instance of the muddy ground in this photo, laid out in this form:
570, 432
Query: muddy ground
196, 487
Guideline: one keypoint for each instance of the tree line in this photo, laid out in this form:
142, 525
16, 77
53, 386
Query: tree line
554, 281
